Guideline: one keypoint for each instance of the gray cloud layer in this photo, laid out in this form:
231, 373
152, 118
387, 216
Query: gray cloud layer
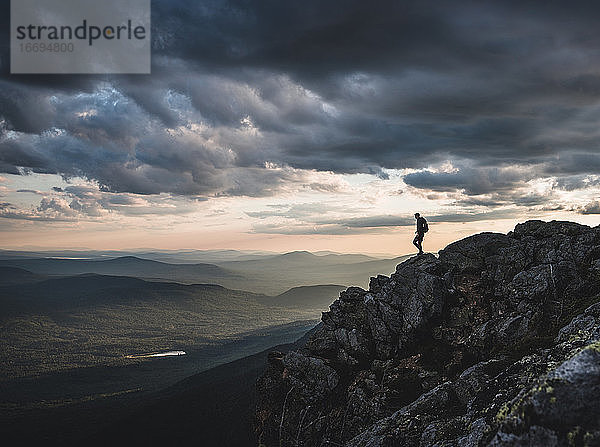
508, 92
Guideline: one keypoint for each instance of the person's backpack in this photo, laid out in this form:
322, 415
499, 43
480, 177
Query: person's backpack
425, 226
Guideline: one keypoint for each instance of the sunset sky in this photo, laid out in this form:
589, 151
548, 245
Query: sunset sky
311, 125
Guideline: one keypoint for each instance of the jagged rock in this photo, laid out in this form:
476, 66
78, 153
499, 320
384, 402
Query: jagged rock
563, 408
494, 342
584, 326
473, 253
309, 376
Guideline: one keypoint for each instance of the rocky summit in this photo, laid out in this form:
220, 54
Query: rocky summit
495, 342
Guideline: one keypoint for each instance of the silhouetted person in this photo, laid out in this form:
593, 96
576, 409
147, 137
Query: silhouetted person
422, 228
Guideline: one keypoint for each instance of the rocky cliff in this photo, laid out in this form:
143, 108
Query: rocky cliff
495, 342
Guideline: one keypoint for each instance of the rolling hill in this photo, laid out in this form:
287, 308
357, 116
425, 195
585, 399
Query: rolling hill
87, 320
270, 275
317, 297
15, 275
277, 274
125, 266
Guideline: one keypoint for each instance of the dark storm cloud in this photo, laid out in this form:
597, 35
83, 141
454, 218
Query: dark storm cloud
471, 181
508, 92
575, 163
519, 197
575, 182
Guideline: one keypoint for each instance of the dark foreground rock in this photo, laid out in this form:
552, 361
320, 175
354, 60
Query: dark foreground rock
495, 342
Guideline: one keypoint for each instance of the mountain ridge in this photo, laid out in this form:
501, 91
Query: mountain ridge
254, 275
316, 296
491, 344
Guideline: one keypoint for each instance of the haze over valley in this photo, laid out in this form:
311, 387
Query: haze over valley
78, 326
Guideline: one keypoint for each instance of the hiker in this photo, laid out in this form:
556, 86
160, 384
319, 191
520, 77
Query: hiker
422, 228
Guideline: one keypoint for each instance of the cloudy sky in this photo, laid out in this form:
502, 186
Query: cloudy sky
311, 125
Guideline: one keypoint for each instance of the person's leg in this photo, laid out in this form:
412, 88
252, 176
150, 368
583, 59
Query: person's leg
417, 242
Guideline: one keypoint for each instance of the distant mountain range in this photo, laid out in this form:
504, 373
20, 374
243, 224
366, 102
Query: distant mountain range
317, 297
124, 266
271, 275
14, 275
30, 293
182, 256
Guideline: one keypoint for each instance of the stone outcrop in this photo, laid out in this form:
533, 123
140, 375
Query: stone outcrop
494, 342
